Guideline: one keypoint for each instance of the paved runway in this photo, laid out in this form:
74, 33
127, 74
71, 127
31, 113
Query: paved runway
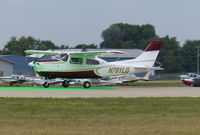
119, 92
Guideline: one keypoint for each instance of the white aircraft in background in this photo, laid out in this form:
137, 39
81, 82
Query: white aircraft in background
121, 79
21, 79
85, 65
13, 79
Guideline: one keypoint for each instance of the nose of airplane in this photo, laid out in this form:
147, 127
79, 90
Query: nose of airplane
32, 64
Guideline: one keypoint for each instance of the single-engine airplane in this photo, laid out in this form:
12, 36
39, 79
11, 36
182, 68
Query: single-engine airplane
13, 79
85, 65
120, 79
192, 81
22, 79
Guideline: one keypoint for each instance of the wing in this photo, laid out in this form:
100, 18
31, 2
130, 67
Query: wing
48, 52
92, 54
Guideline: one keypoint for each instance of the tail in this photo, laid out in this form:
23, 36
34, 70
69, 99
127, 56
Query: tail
148, 57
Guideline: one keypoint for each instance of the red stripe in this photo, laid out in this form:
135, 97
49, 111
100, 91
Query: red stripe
49, 60
154, 45
78, 74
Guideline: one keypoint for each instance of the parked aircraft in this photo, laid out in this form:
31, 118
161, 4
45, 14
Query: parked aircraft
120, 79
21, 79
188, 75
192, 81
13, 79
87, 65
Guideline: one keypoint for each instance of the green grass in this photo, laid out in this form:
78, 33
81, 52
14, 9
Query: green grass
52, 88
100, 116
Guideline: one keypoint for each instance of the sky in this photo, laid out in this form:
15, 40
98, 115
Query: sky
72, 22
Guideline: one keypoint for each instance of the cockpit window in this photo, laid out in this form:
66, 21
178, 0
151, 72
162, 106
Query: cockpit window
64, 57
76, 60
92, 62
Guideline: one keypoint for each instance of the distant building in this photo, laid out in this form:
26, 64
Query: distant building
20, 66
6, 67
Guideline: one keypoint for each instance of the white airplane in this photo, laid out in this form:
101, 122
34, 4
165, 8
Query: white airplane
85, 65
120, 79
21, 79
13, 79
134, 78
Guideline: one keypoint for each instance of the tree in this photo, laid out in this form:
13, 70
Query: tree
17, 46
89, 46
126, 36
170, 55
189, 55
64, 47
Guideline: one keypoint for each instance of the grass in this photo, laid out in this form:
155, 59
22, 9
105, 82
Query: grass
100, 116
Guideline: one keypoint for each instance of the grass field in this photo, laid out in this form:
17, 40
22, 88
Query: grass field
100, 116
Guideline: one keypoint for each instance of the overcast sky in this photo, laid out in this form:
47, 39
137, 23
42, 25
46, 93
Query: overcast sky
73, 22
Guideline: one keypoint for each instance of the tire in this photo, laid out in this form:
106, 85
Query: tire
46, 85
65, 84
86, 84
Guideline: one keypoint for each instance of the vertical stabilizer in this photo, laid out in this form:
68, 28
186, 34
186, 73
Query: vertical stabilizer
148, 57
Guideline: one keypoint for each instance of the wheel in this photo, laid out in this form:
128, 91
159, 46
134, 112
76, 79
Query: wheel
86, 84
65, 83
46, 85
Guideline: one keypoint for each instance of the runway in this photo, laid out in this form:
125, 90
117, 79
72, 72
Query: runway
125, 92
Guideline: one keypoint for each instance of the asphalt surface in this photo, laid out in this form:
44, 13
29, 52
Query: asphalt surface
119, 92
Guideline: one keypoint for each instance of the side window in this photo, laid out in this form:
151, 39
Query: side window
64, 57
76, 60
92, 62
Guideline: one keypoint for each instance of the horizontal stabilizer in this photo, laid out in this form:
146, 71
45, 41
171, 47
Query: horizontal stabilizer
149, 68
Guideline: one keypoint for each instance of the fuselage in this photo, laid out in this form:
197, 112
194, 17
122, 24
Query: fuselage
81, 68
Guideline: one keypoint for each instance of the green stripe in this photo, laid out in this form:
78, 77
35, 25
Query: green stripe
53, 89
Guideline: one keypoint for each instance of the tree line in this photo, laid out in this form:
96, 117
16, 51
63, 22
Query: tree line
173, 56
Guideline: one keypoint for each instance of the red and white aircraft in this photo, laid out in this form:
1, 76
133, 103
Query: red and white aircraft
85, 64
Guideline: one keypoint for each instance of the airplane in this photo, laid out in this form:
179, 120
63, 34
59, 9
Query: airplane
188, 75
22, 79
120, 79
133, 77
86, 65
13, 79
192, 81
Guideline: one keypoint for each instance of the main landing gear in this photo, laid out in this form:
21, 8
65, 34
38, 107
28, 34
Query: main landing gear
65, 84
46, 85
86, 84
